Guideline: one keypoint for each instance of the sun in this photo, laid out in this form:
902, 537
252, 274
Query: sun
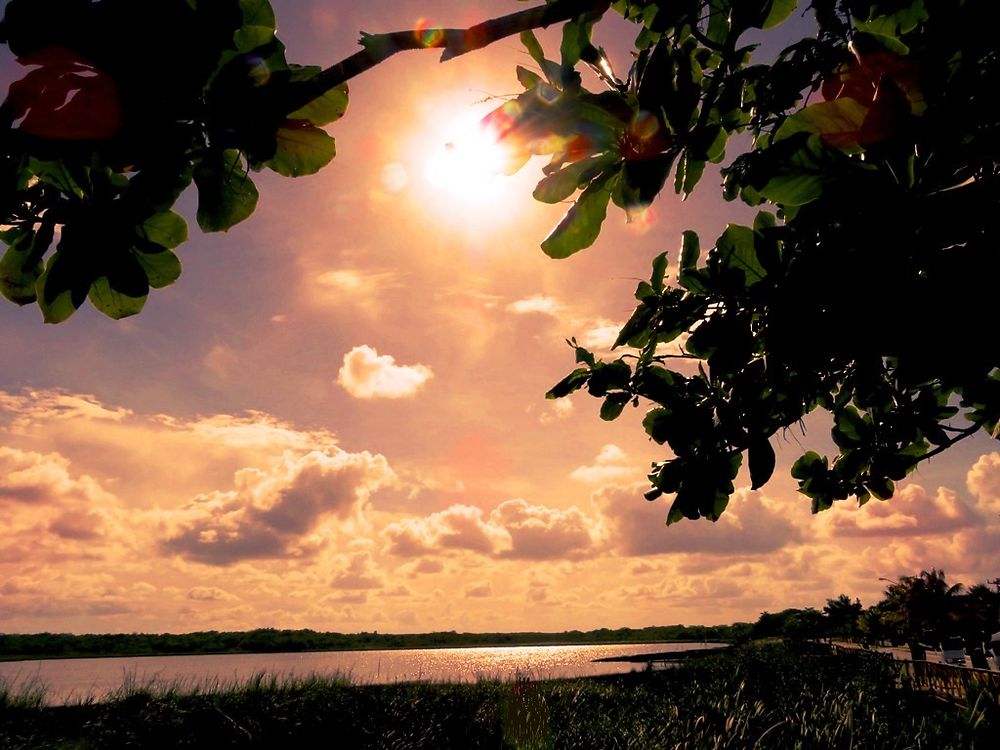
468, 163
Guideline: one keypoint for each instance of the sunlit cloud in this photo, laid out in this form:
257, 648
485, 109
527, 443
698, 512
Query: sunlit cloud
209, 594
368, 375
515, 529
610, 465
911, 512
600, 335
536, 304
556, 410
360, 572
478, 591
983, 482
637, 527
274, 513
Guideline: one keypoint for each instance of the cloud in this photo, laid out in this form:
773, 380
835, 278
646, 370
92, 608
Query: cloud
540, 533
637, 527
209, 594
911, 512
46, 507
478, 591
556, 410
536, 304
515, 529
601, 335
983, 481
460, 527
359, 573
273, 513
367, 374
610, 465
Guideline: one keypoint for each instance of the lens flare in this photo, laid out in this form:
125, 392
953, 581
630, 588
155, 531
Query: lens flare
426, 34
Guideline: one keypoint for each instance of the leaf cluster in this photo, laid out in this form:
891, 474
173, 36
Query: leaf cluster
861, 286
124, 106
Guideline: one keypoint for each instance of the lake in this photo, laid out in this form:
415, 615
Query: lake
68, 680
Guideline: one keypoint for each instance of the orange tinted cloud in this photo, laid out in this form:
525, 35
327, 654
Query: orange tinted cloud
366, 374
271, 514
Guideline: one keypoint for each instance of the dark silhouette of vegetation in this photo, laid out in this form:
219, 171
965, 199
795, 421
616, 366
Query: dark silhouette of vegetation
871, 149
757, 696
270, 640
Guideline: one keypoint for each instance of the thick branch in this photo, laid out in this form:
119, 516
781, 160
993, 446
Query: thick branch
380, 47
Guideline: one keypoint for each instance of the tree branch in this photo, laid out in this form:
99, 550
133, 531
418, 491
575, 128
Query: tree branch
454, 42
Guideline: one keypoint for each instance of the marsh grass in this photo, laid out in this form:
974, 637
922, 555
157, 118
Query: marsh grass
755, 697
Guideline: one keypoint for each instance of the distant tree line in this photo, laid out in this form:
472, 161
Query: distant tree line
271, 640
924, 608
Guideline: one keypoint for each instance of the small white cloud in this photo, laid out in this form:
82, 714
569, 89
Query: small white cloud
367, 374
556, 410
538, 304
611, 464
600, 337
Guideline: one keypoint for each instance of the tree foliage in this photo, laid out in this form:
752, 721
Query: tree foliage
870, 148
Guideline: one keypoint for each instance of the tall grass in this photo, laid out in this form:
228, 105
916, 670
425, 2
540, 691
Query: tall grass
755, 697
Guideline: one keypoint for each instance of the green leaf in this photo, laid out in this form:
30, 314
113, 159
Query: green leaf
162, 269
687, 175
659, 272
226, 194
635, 332
837, 123
60, 289
778, 12
690, 250
572, 382
760, 457
560, 185
613, 405
22, 263
112, 302
527, 78
167, 229
324, 109
656, 424
582, 223
258, 25
735, 249
302, 149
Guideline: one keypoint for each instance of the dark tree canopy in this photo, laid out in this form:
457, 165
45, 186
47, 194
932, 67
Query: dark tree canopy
862, 287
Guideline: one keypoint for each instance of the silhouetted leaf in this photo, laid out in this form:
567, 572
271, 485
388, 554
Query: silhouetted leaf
582, 223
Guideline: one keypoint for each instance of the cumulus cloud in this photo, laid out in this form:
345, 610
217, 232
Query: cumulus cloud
367, 374
273, 513
912, 511
540, 533
600, 335
209, 594
47, 508
556, 410
983, 481
515, 529
460, 527
637, 527
536, 304
610, 465
480, 591
360, 572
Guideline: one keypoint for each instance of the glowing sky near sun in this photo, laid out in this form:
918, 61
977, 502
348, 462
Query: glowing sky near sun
335, 419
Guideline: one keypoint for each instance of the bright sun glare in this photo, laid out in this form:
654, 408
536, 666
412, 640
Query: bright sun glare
467, 164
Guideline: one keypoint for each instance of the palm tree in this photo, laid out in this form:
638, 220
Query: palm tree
842, 616
924, 604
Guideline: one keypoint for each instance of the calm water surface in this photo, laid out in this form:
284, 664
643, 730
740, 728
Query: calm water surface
76, 679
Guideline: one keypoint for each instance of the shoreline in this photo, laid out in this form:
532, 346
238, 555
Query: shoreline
7, 658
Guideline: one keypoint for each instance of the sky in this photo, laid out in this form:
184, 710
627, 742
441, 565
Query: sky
336, 419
